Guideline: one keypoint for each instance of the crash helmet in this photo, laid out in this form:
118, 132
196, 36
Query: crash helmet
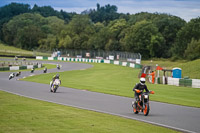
142, 81
57, 76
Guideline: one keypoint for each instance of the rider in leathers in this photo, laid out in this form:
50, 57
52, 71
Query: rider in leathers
140, 86
57, 76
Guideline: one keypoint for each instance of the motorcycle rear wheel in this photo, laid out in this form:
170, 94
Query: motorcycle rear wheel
135, 108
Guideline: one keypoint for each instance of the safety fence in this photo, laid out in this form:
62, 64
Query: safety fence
37, 65
115, 62
115, 55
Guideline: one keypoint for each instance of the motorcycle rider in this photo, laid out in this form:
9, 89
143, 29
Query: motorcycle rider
32, 70
58, 66
57, 76
140, 86
18, 73
45, 70
12, 75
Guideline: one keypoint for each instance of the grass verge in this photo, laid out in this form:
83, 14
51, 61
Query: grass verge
13, 51
119, 80
23, 115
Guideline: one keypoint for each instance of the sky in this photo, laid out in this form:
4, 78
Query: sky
185, 9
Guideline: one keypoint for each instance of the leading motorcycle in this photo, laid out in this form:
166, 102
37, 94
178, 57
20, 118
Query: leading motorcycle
143, 104
54, 85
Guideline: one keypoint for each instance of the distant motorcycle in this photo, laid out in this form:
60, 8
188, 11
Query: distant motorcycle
58, 67
55, 85
45, 70
143, 104
32, 70
12, 75
18, 73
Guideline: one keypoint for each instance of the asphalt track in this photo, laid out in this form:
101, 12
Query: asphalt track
182, 118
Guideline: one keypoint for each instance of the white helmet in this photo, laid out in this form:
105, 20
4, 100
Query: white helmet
142, 81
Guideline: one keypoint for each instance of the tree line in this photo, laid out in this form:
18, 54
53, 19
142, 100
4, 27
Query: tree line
150, 34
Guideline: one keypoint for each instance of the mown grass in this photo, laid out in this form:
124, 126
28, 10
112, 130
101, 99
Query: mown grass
118, 80
23, 115
6, 49
189, 68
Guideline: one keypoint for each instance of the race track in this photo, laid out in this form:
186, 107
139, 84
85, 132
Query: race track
185, 119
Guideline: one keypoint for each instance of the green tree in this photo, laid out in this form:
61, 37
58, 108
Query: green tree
55, 25
144, 38
116, 33
24, 31
28, 37
49, 43
8, 11
193, 50
168, 26
106, 13
65, 42
80, 29
46, 11
99, 39
184, 37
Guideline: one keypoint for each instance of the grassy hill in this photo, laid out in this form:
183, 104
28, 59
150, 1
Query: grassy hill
13, 51
189, 68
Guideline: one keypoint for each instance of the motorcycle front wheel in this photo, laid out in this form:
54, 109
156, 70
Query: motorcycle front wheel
54, 89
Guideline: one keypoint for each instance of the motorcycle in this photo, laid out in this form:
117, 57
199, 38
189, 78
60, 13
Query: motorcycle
58, 67
32, 70
45, 70
12, 75
143, 104
54, 85
17, 74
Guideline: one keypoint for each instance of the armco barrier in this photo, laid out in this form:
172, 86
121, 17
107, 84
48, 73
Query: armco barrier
173, 81
195, 83
14, 68
4, 69
22, 67
39, 58
185, 82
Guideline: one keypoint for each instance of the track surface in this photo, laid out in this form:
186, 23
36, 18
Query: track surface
185, 119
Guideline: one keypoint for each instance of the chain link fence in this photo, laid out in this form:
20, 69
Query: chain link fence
100, 54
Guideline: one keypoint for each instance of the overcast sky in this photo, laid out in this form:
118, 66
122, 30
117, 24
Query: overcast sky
186, 9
